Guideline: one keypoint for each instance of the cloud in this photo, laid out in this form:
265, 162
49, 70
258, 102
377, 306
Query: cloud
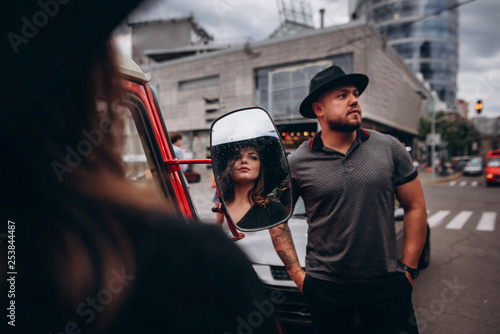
238, 20
476, 26
479, 56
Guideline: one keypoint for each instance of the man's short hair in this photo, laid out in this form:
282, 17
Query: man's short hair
175, 136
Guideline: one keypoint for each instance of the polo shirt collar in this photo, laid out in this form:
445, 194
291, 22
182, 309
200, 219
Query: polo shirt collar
317, 143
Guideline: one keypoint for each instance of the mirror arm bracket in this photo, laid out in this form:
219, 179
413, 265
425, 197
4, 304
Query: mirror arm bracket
195, 161
236, 235
173, 165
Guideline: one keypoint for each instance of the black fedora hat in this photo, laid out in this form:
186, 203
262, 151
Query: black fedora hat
270, 152
327, 79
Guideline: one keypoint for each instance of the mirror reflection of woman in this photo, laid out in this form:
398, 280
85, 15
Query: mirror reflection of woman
244, 192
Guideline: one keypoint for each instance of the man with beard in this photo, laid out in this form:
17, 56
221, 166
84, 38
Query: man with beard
348, 178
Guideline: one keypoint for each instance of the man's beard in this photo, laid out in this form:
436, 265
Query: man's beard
343, 127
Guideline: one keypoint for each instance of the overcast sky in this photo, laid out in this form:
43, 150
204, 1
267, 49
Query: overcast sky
237, 20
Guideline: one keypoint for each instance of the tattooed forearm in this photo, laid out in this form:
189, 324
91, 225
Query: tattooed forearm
287, 259
281, 234
283, 244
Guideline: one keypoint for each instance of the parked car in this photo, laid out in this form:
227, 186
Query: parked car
492, 169
259, 248
474, 167
458, 163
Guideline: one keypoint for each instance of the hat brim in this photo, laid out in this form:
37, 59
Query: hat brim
269, 149
360, 81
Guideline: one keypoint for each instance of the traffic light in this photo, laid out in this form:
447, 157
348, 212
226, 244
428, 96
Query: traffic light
479, 106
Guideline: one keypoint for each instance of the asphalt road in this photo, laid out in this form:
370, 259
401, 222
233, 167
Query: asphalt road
460, 291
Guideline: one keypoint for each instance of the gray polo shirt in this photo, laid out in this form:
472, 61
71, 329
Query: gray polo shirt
349, 201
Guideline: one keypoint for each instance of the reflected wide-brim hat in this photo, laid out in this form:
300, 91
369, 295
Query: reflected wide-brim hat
42, 41
327, 79
270, 152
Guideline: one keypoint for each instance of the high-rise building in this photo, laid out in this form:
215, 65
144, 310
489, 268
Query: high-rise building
424, 33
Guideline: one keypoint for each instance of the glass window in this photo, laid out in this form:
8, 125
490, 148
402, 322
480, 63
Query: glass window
438, 71
136, 145
135, 160
426, 49
143, 159
493, 162
280, 90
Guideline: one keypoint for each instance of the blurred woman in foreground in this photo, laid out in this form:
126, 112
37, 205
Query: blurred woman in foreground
93, 252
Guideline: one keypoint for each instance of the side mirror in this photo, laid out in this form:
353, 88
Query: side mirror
250, 169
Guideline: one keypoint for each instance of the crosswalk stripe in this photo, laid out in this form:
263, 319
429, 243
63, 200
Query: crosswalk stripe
437, 218
474, 183
462, 183
459, 221
487, 221
452, 183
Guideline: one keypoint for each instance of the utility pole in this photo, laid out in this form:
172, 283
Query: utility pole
433, 145
435, 139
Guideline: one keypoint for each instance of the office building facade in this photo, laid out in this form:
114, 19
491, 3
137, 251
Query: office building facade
275, 74
425, 35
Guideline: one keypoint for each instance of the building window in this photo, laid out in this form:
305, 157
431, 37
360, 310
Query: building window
281, 89
199, 83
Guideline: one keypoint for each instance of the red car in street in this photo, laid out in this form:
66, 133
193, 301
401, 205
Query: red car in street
492, 169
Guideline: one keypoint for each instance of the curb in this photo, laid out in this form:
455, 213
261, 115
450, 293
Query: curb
444, 179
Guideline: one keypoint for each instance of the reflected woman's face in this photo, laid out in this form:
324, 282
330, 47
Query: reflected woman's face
246, 166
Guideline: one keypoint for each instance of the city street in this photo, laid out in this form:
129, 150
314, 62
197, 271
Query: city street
458, 292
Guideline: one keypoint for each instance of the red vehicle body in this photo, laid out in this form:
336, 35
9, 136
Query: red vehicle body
492, 169
155, 141
150, 157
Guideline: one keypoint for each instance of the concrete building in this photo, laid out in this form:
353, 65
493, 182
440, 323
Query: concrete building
489, 129
463, 108
275, 74
169, 39
485, 126
425, 35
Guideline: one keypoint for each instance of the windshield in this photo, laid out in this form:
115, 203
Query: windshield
474, 162
494, 162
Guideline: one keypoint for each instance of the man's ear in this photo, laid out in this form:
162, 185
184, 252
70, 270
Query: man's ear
317, 108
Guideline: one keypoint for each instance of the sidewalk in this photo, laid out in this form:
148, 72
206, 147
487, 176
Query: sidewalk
427, 177
202, 195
